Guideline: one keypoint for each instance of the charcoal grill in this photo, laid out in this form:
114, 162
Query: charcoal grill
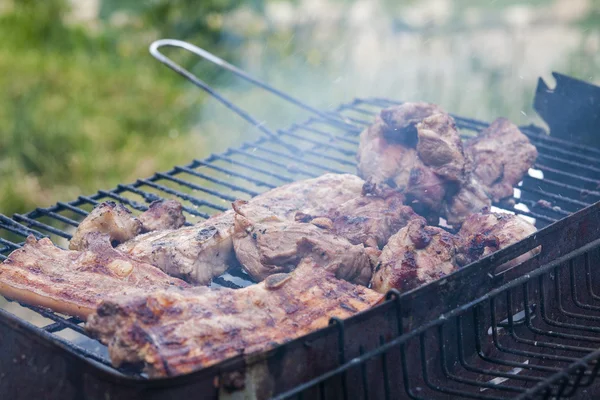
530, 332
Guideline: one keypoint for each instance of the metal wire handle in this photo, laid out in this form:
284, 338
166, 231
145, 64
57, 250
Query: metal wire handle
154, 50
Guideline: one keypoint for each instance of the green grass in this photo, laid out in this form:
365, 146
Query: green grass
80, 112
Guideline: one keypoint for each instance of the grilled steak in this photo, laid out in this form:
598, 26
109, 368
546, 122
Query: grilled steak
484, 233
177, 332
269, 245
416, 255
440, 147
205, 250
121, 225
74, 282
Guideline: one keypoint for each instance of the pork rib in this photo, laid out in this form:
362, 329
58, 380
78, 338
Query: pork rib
74, 282
174, 333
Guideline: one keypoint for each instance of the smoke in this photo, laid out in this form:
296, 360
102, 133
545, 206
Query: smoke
480, 61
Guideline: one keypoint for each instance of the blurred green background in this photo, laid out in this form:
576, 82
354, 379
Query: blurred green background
83, 106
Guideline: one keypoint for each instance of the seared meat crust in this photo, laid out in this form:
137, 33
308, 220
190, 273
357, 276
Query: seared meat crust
501, 155
109, 218
121, 225
178, 332
161, 215
484, 233
269, 245
416, 255
74, 282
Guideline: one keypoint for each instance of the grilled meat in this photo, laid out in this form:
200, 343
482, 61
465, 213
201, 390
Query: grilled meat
426, 191
414, 148
177, 332
440, 147
416, 255
387, 149
205, 250
484, 233
121, 225
269, 245
110, 218
501, 156
161, 215
194, 253
369, 219
470, 199
74, 282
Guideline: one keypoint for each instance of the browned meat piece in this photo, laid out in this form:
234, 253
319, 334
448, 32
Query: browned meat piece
416, 255
381, 162
121, 225
110, 218
369, 219
426, 191
484, 233
401, 121
74, 282
440, 147
387, 149
161, 215
470, 199
194, 253
270, 245
174, 333
205, 250
501, 156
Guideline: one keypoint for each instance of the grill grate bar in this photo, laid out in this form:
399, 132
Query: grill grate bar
218, 181
187, 197
229, 172
192, 186
251, 167
301, 161
37, 224
266, 160
70, 207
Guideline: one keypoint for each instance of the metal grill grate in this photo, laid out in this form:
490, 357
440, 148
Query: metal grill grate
208, 186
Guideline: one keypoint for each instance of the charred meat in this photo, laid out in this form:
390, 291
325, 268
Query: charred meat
369, 219
193, 253
161, 215
110, 218
416, 255
74, 282
501, 155
121, 225
387, 149
484, 233
178, 332
205, 250
270, 245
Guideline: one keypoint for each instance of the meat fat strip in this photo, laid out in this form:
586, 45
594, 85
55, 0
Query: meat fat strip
74, 282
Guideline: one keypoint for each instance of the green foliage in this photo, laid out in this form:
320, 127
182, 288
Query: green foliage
79, 112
